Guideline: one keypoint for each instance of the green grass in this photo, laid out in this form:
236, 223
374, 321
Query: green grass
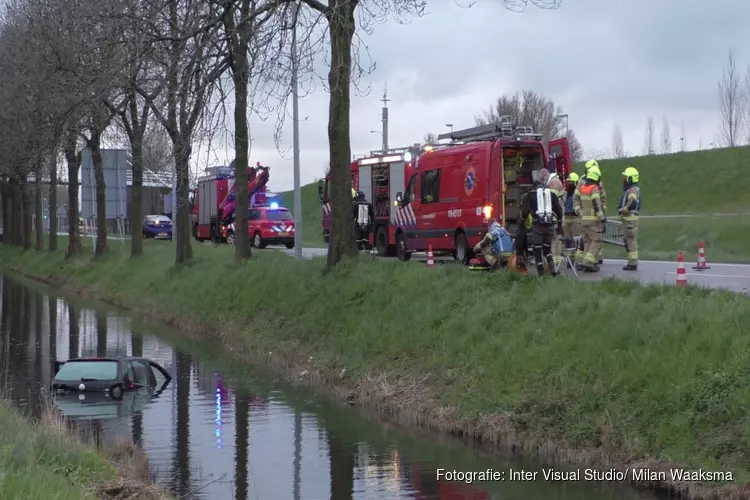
648, 371
698, 182
41, 462
726, 239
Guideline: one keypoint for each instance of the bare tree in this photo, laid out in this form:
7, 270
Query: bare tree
190, 64
731, 102
666, 137
618, 148
430, 138
683, 137
537, 111
648, 138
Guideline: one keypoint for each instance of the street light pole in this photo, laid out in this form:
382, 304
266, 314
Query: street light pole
450, 126
295, 143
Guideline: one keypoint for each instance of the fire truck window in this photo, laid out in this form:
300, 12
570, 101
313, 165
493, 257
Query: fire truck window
410, 189
254, 215
431, 186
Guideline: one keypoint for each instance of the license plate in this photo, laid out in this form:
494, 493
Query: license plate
163, 234
284, 234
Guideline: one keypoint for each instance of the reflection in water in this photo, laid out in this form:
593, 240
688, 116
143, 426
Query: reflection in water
207, 439
241, 445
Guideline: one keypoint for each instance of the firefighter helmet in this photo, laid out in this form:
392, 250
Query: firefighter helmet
573, 177
631, 174
594, 174
590, 164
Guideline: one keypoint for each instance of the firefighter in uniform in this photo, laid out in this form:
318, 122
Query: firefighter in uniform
602, 197
546, 211
630, 206
556, 186
587, 204
571, 222
495, 248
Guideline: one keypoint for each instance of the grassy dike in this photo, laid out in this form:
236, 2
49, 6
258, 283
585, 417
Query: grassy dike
43, 461
612, 373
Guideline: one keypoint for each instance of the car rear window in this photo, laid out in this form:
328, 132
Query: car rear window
279, 215
99, 370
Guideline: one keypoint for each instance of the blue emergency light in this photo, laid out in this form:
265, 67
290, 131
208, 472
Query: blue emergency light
274, 205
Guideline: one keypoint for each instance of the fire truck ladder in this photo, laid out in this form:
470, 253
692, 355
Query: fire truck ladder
394, 151
492, 131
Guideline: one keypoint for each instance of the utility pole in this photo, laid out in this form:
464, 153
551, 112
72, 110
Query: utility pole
385, 102
295, 143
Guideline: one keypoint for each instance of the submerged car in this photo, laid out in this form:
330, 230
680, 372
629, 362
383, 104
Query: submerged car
111, 377
101, 406
158, 227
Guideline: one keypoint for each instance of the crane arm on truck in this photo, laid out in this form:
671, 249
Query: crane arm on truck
257, 181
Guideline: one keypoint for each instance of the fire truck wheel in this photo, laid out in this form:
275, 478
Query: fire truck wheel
258, 241
401, 251
230, 238
461, 252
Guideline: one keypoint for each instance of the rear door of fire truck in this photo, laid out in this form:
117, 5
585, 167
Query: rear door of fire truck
559, 152
381, 178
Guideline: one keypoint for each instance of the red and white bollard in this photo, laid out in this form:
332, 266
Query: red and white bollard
681, 274
702, 265
430, 261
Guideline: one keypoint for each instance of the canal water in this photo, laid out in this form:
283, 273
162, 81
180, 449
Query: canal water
223, 431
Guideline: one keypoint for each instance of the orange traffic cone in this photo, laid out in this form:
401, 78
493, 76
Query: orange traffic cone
681, 275
701, 266
430, 262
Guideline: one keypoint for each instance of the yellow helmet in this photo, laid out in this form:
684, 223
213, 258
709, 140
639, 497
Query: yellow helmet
590, 164
573, 177
594, 173
631, 174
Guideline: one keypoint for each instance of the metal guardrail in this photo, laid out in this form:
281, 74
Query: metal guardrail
614, 233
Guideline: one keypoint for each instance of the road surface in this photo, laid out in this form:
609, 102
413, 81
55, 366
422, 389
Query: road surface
734, 277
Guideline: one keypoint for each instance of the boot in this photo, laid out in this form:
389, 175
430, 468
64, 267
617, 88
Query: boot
601, 261
630, 267
594, 268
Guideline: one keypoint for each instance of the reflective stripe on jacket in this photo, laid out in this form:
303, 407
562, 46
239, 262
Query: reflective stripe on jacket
630, 203
587, 203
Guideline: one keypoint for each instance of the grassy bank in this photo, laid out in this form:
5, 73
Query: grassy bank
42, 460
312, 233
710, 181
609, 372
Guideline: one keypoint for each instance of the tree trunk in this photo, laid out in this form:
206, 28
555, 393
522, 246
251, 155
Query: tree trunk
15, 231
136, 196
39, 208
53, 204
183, 249
240, 76
28, 210
341, 26
101, 194
74, 168
7, 208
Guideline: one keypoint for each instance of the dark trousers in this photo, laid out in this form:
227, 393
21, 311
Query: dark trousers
541, 239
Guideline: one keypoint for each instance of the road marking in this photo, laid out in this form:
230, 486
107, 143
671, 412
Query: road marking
728, 276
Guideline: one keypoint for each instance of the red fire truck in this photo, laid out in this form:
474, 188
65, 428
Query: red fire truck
323, 196
215, 194
444, 195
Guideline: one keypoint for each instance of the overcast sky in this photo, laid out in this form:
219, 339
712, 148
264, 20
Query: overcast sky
604, 62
